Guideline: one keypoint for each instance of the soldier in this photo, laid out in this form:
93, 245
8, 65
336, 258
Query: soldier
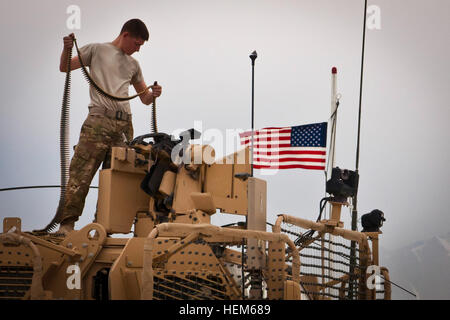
112, 67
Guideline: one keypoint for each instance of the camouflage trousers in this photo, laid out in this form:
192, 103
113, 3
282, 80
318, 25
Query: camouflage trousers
98, 135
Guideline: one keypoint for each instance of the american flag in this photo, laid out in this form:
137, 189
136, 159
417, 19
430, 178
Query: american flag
288, 147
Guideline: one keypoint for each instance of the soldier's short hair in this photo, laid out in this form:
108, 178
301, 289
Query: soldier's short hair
135, 28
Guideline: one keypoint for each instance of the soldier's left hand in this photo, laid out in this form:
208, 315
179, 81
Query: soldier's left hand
157, 90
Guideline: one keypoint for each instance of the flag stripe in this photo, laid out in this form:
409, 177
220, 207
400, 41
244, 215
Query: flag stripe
270, 146
287, 152
272, 163
283, 137
288, 159
265, 133
294, 166
285, 156
271, 141
293, 150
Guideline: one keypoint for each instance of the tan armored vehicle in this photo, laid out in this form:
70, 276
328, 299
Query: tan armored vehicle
176, 253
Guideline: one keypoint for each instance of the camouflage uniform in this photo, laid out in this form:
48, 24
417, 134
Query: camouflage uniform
98, 135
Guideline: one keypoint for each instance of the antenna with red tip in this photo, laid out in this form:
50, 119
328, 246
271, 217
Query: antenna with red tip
333, 118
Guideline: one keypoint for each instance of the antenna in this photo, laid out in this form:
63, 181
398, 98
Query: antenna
355, 197
253, 57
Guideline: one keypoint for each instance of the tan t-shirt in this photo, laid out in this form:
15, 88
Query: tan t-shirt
114, 71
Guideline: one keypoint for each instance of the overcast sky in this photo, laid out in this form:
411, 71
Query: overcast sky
198, 51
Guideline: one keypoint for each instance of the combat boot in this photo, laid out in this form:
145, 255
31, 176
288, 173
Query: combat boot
66, 228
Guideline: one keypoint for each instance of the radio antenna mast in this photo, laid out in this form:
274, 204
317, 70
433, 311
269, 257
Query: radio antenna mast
355, 197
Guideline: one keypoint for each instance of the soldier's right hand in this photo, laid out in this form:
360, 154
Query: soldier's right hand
68, 41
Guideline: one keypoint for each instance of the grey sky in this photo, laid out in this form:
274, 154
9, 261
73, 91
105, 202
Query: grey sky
198, 52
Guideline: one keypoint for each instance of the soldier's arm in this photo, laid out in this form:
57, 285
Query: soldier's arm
75, 62
147, 96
